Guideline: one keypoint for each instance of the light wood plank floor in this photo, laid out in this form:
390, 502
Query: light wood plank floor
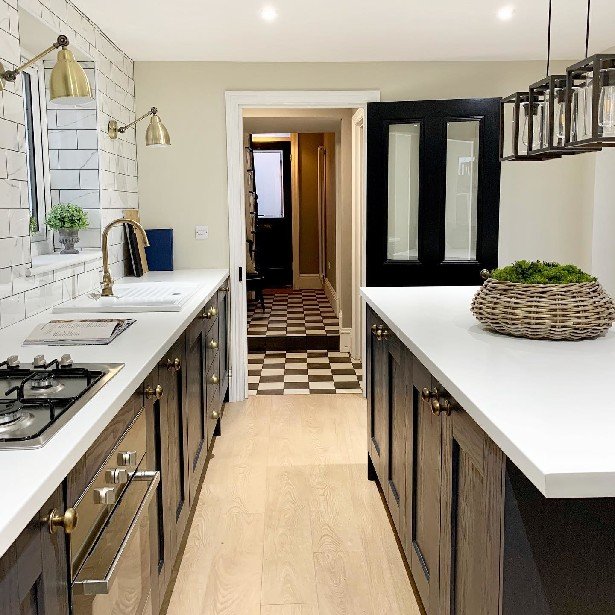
287, 522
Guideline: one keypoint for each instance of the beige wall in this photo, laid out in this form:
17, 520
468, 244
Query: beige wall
185, 185
308, 202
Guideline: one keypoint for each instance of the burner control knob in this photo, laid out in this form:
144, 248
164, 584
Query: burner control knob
66, 360
12, 361
118, 476
127, 458
39, 360
104, 495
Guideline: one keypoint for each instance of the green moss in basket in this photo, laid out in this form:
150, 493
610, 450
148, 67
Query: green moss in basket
537, 272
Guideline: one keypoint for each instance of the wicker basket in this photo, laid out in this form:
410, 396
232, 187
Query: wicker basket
544, 311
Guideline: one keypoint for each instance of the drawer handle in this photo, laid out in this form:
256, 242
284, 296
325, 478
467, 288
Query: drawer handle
117, 476
67, 521
212, 312
158, 392
214, 379
213, 344
215, 415
173, 365
428, 394
436, 408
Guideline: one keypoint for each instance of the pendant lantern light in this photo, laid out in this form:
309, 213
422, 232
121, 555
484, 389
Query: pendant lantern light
590, 99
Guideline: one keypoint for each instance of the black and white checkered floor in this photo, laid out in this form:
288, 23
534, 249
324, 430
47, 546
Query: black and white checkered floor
303, 373
296, 320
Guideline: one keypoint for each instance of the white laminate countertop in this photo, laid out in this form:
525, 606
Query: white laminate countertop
29, 477
548, 405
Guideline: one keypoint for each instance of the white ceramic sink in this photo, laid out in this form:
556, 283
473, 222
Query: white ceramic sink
144, 297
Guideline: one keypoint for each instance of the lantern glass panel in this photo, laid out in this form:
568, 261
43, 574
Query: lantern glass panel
509, 129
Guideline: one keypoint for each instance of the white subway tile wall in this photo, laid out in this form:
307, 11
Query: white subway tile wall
87, 168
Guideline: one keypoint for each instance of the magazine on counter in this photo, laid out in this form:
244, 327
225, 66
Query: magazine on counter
90, 331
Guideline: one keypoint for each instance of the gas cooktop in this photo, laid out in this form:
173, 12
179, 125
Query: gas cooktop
38, 398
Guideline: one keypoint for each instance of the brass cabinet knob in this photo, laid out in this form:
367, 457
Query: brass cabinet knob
173, 364
158, 392
212, 312
435, 406
449, 406
375, 328
428, 394
214, 379
215, 415
67, 521
213, 344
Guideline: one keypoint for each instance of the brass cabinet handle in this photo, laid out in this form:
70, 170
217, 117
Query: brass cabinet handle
214, 379
375, 328
212, 312
428, 394
213, 344
435, 406
67, 521
379, 331
174, 364
215, 414
127, 458
449, 406
158, 392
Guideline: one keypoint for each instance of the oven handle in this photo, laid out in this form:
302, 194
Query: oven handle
91, 587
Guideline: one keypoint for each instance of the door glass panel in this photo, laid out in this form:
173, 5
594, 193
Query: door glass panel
461, 190
403, 197
268, 174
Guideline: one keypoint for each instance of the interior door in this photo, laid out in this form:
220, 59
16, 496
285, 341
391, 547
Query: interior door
274, 236
433, 191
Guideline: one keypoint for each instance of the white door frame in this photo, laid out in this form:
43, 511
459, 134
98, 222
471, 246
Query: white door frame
236, 102
359, 177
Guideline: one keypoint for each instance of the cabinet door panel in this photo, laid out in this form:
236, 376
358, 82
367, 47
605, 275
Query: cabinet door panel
398, 376
423, 501
223, 305
377, 400
472, 501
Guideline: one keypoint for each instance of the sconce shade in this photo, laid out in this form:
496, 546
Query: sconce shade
157, 134
68, 84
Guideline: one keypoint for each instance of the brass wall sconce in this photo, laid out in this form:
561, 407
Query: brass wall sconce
156, 134
68, 84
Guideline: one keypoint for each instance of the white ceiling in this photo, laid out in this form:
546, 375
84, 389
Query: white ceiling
349, 30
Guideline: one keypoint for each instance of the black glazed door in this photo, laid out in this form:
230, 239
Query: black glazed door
274, 235
433, 191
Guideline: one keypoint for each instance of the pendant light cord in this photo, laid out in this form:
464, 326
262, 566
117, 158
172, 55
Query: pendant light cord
549, 38
589, 6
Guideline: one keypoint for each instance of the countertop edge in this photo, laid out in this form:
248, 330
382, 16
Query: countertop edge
551, 485
21, 514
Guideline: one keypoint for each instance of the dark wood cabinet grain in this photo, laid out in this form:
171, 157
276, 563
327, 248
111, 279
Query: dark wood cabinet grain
223, 333
34, 571
424, 464
471, 528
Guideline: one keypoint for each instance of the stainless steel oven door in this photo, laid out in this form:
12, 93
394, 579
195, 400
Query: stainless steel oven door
115, 578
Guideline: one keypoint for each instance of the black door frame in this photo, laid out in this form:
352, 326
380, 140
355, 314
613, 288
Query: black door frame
432, 115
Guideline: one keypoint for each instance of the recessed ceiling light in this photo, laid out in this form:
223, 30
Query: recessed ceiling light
506, 13
269, 13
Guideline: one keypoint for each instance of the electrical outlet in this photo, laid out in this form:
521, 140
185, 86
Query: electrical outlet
201, 232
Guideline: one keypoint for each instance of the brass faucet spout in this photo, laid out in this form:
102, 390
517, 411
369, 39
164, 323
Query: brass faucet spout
107, 281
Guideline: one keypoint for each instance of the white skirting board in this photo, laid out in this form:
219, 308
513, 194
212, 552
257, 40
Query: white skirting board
309, 281
331, 295
345, 339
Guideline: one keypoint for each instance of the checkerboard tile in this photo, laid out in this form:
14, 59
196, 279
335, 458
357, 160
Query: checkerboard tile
303, 312
303, 373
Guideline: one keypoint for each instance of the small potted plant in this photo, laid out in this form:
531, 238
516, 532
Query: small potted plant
543, 301
67, 219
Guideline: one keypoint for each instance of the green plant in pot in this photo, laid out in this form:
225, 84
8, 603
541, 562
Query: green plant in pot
67, 220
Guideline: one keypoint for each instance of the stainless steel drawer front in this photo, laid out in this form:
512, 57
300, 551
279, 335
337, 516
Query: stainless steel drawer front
121, 555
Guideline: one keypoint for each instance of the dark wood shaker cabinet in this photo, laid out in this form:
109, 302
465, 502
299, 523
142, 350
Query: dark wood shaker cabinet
164, 393
223, 329
472, 504
34, 570
423, 487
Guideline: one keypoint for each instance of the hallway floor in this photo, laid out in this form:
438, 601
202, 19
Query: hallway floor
287, 522
302, 373
293, 320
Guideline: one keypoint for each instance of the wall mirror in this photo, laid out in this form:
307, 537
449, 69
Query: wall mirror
59, 156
